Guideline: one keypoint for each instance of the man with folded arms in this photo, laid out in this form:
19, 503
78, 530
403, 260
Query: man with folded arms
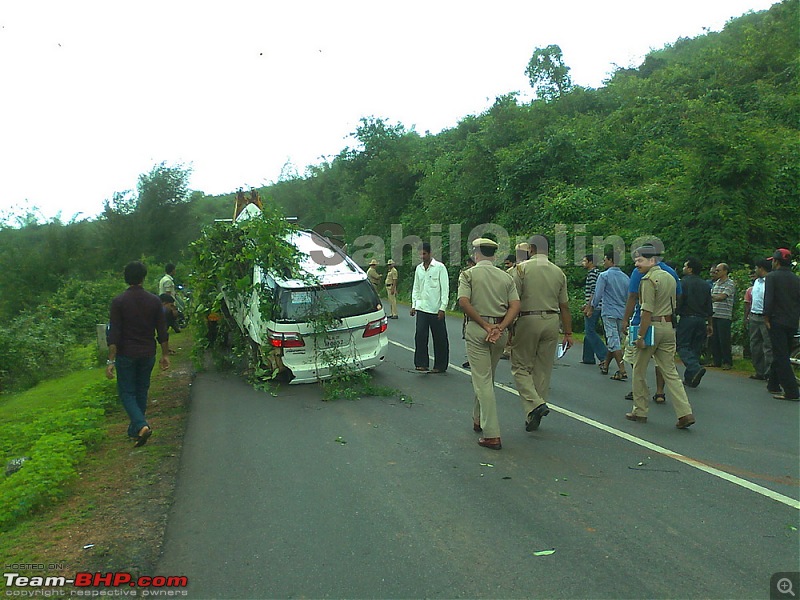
489, 299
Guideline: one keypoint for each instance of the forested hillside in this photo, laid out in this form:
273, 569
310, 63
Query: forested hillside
698, 146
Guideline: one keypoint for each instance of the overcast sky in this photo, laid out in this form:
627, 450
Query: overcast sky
96, 93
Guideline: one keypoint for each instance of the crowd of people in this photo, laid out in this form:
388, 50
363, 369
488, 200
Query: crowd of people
650, 315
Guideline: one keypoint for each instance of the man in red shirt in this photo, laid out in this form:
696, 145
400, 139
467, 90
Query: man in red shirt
136, 317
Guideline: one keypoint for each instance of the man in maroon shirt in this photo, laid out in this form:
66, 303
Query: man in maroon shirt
136, 315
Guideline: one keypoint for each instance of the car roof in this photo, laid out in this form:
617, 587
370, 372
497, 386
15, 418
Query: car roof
319, 257
322, 259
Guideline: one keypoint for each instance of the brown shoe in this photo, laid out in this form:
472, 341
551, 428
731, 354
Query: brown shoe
493, 443
476, 426
144, 434
637, 418
685, 421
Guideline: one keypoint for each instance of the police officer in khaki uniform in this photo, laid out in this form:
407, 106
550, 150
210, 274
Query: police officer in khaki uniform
657, 297
490, 302
373, 275
542, 288
391, 288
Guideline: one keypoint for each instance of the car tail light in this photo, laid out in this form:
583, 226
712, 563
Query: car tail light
285, 340
376, 327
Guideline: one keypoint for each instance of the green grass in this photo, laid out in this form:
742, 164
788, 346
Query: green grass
49, 395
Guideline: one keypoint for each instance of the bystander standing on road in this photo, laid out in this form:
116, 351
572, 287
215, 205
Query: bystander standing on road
782, 316
135, 319
593, 346
429, 297
694, 323
723, 294
490, 302
760, 343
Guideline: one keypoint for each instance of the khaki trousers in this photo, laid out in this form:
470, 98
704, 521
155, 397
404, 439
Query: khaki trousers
663, 351
393, 303
483, 358
532, 357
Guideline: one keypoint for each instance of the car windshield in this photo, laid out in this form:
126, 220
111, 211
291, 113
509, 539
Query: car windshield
343, 300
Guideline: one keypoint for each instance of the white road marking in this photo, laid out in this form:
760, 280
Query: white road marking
753, 487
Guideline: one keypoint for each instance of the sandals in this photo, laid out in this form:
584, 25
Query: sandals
660, 398
619, 376
424, 369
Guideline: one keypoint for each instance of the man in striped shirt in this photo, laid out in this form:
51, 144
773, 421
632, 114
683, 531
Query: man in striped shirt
593, 346
723, 293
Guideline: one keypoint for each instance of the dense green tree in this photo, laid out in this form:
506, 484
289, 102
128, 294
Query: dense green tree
548, 73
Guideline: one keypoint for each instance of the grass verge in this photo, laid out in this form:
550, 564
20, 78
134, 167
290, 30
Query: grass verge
114, 514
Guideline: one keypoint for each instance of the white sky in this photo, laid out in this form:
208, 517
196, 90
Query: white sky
96, 93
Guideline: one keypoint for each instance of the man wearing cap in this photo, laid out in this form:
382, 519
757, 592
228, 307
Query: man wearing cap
633, 316
490, 302
542, 289
782, 315
373, 275
657, 298
429, 296
391, 288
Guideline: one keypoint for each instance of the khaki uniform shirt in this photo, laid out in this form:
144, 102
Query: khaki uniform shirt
391, 279
489, 289
657, 292
374, 277
541, 284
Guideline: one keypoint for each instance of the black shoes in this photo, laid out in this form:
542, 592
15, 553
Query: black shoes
535, 417
696, 379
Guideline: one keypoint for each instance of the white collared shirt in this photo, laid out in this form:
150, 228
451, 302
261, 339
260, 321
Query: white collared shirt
757, 305
431, 287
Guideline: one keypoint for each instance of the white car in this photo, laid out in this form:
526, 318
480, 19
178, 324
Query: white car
288, 343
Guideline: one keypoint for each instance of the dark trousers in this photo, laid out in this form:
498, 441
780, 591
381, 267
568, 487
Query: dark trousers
691, 334
428, 322
133, 384
592, 343
781, 373
721, 342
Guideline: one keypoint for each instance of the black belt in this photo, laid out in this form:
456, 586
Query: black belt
525, 313
757, 314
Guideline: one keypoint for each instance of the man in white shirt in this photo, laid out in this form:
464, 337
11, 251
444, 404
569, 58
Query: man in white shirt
760, 345
428, 301
167, 284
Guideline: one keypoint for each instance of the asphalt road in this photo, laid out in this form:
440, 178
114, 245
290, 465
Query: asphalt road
287, 496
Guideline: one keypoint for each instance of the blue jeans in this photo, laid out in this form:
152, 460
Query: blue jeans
133, 383
592, 344
691, 335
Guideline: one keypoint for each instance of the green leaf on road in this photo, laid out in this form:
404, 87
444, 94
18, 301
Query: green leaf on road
545, 552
